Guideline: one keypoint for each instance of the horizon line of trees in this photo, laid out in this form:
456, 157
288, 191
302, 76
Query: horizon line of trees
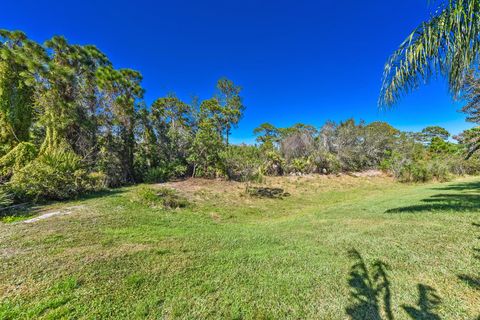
71, 123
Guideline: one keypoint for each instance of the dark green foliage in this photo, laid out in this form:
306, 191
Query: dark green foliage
54, 175
273, 164
242, 163
5, 198
423, 171
16, 159
206, 149
164, 173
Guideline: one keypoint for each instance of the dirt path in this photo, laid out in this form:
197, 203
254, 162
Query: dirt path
50, 214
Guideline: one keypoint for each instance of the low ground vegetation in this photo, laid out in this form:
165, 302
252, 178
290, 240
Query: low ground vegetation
338, 247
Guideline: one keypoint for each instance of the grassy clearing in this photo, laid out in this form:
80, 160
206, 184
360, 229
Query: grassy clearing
335, 248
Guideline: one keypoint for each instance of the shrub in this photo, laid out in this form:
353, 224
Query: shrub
439, 170
54, 175
273, 164
460, 166
5, 199
328, 163
17, 158
159, 197
156, 175
424, 171
110, 165
96, 181
164, 173
242, 163
300, 165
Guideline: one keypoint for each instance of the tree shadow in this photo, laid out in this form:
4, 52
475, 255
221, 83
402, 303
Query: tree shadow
428, 301
463, 186
29, 209
470, 280
370, 290
372, 296
468, 199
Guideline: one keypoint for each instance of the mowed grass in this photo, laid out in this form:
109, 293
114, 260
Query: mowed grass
336, 248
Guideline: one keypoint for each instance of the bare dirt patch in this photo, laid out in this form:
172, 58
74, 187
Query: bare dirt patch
46, 215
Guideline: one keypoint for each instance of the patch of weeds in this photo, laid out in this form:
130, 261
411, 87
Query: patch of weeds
162, 252
264, 192
54, 238
67, 285
54, 306
159, 198
9, 310
144, 308
135, 280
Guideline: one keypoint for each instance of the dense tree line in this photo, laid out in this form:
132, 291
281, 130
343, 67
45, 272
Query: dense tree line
71, 123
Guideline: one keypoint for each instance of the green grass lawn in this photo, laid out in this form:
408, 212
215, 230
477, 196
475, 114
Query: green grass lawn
336, 248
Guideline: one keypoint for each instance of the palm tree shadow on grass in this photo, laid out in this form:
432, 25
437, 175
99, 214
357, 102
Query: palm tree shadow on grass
428, 300
372, 296
370, 290
466, 198
470, 280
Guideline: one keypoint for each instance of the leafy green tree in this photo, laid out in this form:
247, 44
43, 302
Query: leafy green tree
448, 44
432, 132
174, 124
231, 103
147, 155
226, 108
206, 148
64, 97
439, 146
20, 61
123, 91
267, 135
470, 139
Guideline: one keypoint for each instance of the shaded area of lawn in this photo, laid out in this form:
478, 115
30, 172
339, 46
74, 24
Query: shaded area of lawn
473, 280
465, 197
458, 197
372, 294
24, 211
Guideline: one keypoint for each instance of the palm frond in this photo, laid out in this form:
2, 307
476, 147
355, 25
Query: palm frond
448, 44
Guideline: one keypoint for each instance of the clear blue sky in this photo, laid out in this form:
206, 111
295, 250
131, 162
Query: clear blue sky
298, 61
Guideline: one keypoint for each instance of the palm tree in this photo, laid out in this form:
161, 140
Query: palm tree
448, 44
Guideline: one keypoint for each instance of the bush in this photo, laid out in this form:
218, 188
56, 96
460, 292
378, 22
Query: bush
439, 170
242, 163
159, 197
156, 175
415, 172
96, 181
273, 164
460, 166
54, 175
17, 158
424, 171
300, 165
327, 163
5, 199
164, 173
